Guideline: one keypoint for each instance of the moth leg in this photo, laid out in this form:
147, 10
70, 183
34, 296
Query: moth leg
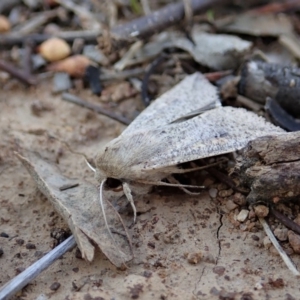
181, 171
172, 179
127, 192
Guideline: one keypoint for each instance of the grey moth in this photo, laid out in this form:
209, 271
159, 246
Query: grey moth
185, 124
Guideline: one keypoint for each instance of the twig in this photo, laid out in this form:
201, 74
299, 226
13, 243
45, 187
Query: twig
87, 19
18, 74
225, 179
275, 8
280, 116
108, 75
159, 20
145, 97
283, 255
21, 280
35, 22
285, 220
7, 40
76, 100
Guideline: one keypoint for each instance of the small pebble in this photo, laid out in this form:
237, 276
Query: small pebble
4, 234
213, 193
30, 246
194, 258
225, 193
243, 215
230, 205
239, 199
54, 286
95, 54
219, 270
281, 234
61, 82
294, 240
267, 243
261, 211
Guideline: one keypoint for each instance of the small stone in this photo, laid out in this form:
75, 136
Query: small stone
281, 234
37, 61
243, 215
225, 193
38, 254
30, 246
261, 211
230, 205
254, 237
213, 193
239, 199
54, 286
61, 82
267, 243
1, 252
219, 270
194, 258
95, 54
4, 234
294, 240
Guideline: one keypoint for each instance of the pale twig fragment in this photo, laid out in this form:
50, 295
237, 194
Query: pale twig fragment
275, 243
21, 280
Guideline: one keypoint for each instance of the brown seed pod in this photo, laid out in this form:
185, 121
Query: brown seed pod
54, 49
4, 24
75, 65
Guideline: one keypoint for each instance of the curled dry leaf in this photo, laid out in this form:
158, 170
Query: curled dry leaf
4, 24
77, 202
75, 65
54, 49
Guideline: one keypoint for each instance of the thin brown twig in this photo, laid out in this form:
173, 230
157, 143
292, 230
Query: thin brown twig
17, 73
285, 220
167, 16
76, 100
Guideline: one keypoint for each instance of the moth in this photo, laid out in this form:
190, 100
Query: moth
185, 124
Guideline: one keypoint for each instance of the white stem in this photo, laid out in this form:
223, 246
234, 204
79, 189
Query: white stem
21, 280
274, 241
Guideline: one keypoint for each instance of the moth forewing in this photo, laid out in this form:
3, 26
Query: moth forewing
151, 148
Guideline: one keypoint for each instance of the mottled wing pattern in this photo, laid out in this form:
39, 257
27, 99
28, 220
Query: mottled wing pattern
193, 92
218, 131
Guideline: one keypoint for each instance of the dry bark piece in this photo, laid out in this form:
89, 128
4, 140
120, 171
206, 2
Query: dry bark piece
270, 166
54, 49
257, 25
260, 80
80, 208
75, 65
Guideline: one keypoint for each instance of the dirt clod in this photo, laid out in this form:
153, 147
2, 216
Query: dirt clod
194, 258
261, 211
30, 246
54, 286
294, 240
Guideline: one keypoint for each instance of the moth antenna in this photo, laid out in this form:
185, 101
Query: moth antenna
127, 192
90, 166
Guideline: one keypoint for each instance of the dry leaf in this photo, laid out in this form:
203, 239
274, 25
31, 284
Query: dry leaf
79, 206
74, 65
